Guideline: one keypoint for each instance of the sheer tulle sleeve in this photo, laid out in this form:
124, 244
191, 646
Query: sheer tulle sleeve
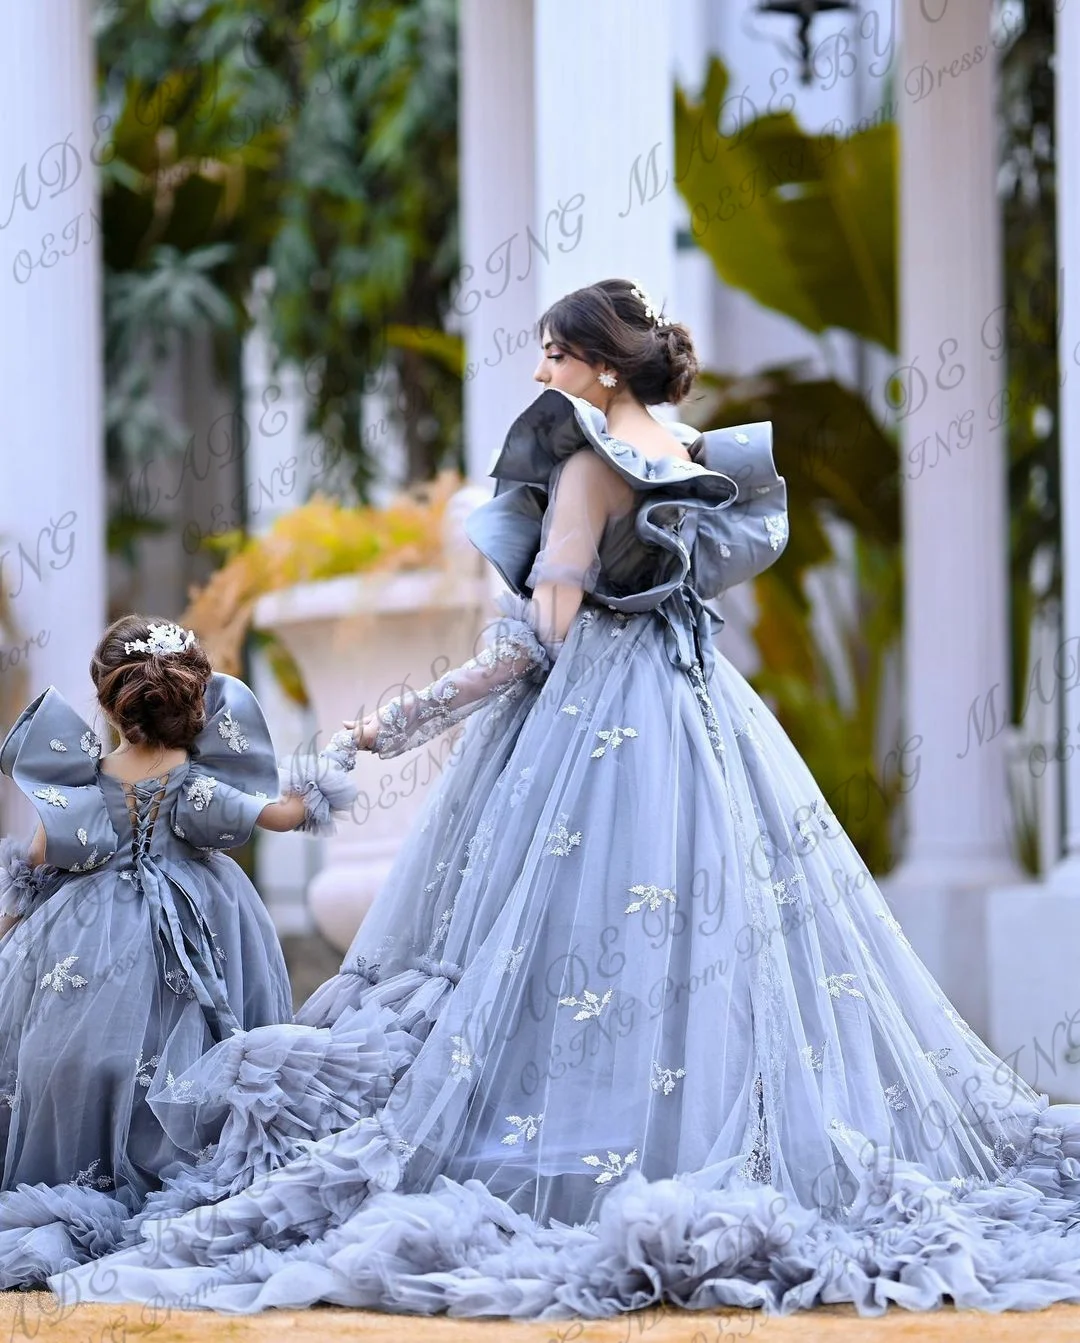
584, 494
525, 640
512, 653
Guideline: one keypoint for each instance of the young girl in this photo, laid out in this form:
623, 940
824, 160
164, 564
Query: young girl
133, 943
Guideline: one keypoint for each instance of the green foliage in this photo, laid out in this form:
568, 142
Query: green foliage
806, 225
1028, 338
803, 223
316, 138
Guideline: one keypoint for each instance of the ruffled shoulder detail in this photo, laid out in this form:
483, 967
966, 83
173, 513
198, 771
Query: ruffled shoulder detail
557, 424
713, 521
233, 771
52, 755
740, 542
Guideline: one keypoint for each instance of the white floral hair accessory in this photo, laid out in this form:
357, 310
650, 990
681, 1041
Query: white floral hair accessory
163, 639
652, 312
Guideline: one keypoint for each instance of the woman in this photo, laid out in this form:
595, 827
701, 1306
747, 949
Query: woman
652, 1032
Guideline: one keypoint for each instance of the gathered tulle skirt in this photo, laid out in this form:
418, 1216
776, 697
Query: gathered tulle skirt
96, 1006
630, 1022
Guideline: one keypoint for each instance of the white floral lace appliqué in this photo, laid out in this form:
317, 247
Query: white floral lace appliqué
92, 859
591, 1004
776, 529
612, 737
179, 981
509, 959
521, 787
649, 897
938, 1058
897, 1096
144, 1069
893, 926
60, 977
53, 796
461, 1058
440, 868
229, 731
88, 1179
526, 1127
835, 985
815, 1058
439, 935
664, 1079
200, 791
89, 743
479, 846
783, 891
179, 1091
613, 1167
561, 840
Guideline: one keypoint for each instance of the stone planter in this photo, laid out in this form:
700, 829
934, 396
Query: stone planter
357, 640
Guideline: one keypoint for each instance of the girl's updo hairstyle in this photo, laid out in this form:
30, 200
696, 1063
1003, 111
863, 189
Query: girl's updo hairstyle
154, 698
606, 323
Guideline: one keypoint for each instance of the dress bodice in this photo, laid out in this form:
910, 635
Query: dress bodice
697, 526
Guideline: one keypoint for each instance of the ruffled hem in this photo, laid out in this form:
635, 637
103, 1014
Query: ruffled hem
459, 1250
411, 999
47, 1229
267, 1093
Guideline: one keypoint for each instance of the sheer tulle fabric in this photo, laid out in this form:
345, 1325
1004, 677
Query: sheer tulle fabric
724, 973
585, 498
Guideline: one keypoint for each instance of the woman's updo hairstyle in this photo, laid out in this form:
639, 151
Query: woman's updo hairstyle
151, 679
608, 323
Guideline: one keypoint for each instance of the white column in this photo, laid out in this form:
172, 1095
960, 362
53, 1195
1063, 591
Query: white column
1034, 929
496, 300
280, 464
954, 496
605, 195
52, 566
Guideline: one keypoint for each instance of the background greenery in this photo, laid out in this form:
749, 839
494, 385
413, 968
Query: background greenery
316, 138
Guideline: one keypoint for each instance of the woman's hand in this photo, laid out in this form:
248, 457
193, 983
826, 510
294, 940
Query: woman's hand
364, 731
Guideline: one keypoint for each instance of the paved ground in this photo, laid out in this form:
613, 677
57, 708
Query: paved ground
33, 1315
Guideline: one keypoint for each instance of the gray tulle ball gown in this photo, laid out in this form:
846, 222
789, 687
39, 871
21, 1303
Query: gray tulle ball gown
140, 946
631, 1021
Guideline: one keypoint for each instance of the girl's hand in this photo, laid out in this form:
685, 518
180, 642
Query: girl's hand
365, 731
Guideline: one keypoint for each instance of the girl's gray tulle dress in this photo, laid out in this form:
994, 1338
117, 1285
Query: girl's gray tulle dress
630, 1022
141, 945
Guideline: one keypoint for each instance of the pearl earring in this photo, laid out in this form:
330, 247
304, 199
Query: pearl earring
606, 379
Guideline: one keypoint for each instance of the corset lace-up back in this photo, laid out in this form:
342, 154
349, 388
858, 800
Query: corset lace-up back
144, 798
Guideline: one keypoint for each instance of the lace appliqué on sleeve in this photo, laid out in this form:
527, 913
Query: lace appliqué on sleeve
512, 656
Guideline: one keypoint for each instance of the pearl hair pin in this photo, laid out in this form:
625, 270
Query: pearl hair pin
652, 312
